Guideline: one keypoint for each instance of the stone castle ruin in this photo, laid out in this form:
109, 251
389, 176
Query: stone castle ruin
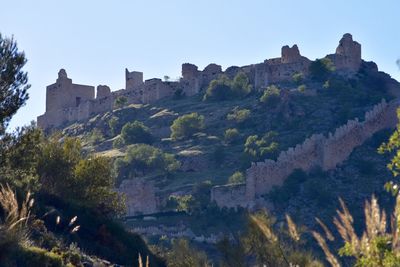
67, 102
321, 151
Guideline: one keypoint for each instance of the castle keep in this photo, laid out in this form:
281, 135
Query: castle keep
67, 102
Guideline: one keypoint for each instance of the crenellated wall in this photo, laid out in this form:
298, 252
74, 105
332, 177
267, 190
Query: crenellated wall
67, 102
316, 151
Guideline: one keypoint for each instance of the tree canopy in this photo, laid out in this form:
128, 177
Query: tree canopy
186, 126
13, 81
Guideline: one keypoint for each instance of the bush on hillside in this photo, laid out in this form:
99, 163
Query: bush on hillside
271, 96
87, 181
136, 132
237, 178
141, 159
121, 101
231, 135
240, 116
225, 89
184, 127
261, 148
321, 69
298, 77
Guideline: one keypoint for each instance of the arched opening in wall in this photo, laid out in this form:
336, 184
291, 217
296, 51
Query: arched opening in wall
77, 101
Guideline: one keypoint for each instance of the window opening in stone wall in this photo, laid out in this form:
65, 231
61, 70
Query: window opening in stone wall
77, 101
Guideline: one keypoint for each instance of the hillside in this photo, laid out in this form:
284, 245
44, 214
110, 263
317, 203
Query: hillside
209, 156
289, 136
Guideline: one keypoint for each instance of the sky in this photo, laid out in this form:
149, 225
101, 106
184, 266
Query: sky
95, 40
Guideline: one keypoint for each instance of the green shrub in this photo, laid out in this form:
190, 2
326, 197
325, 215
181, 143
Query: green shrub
113, 123
271, 96
261, 148
219, 89
180, 203
237, 178
86, 180
142, 158
241, 86
34, 256
302, 88
298, 77
321, 69
240, 116
231, 135
186, 126
120, 101
136, 132
224, 89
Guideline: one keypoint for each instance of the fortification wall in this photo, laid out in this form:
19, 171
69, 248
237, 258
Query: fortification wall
230, 196
318, 150
68, 102
140, 196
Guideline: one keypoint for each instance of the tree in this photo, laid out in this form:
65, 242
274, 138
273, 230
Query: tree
261, 148
87, 181
240, 116
121, 101
186, 126
271, 96
219, 89
13, 81
231, 135
19, 155
224, 89
321, 69
93, 183
241, 86
136, 132
298, 77
237, 178
141, 158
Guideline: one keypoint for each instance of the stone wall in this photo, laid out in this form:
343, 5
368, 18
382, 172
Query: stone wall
316, 151
67, 102
140, 196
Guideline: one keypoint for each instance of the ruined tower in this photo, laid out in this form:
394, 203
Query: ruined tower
133, 79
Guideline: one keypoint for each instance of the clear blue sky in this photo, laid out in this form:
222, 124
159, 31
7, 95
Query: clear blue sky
95, 40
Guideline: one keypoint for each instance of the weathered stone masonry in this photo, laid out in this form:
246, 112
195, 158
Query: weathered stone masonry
67, 102
316, 151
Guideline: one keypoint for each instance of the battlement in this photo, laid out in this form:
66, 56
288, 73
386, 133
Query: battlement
67, 102
316, 151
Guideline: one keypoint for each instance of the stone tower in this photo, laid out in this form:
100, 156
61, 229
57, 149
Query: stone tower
290, 54
347, 58
133, 79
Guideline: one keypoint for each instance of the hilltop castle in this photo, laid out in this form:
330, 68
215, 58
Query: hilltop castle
67, 102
